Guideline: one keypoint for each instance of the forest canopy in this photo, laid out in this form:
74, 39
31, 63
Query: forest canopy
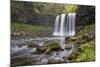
29, 12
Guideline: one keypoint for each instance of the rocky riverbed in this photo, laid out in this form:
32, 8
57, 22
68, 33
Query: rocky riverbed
46, 50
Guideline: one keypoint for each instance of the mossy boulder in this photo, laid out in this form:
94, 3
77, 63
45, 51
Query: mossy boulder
83, 52
80, 38
71, 38
75, 38
51, 46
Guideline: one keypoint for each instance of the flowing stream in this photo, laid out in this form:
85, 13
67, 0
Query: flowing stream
22, 54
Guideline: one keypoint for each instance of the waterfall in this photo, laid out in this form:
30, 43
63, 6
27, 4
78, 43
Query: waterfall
64, 27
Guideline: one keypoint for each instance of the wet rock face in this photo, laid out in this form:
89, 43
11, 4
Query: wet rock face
85, 15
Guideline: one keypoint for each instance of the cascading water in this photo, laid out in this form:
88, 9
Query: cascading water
64, 27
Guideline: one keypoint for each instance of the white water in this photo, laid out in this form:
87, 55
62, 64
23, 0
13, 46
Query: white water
64, 27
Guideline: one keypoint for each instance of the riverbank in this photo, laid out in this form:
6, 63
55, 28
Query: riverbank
21, 30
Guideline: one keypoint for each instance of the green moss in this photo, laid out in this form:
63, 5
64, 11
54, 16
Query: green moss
83, 52
87, 52
72, 38
52, 46
81, 57
86, 29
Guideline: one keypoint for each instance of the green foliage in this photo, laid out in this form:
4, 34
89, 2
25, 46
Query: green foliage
86, 29
27, 11
28, 27
87, 52
20, 11
70, 8
85, 44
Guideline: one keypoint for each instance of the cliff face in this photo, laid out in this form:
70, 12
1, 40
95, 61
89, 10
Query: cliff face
85, 15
